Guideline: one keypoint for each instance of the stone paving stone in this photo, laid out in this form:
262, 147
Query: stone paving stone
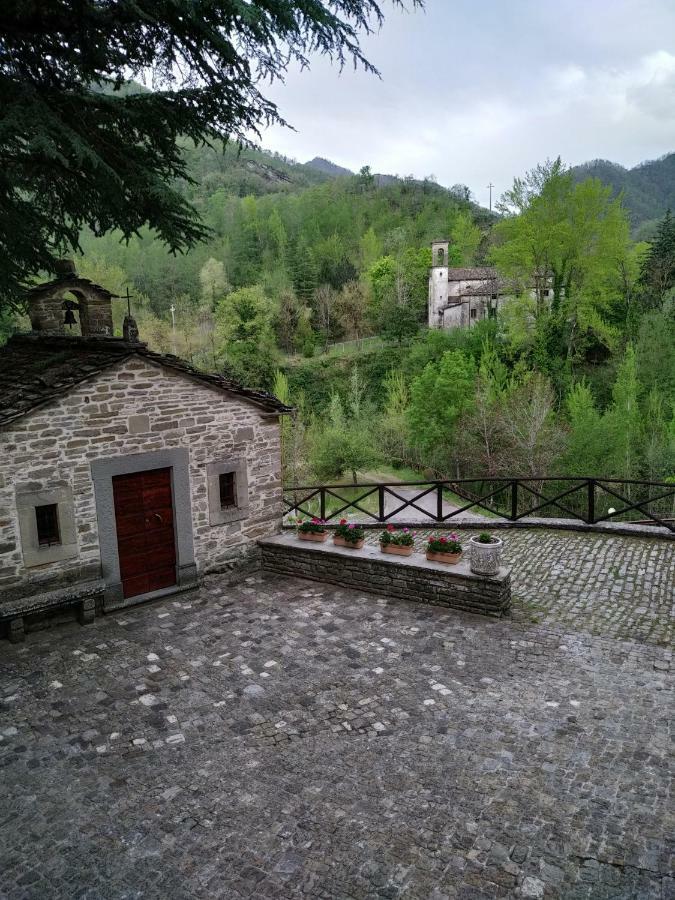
604, 584
284, 738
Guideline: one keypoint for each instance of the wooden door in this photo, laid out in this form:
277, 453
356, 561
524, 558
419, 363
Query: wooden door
145, 534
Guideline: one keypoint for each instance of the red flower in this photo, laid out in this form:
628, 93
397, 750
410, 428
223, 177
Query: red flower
390, 528
444, 540
343, 521
315, 521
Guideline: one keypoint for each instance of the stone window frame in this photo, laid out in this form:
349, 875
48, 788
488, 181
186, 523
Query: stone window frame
218, 515
27, 499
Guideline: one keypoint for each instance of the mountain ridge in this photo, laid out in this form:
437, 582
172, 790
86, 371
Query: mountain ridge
648, 188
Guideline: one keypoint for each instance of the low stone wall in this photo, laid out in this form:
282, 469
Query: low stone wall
405, 578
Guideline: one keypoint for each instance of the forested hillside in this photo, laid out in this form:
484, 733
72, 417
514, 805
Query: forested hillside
648, 189
577, 373
301, 258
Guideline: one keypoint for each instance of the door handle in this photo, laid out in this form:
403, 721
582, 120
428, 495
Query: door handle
157, 516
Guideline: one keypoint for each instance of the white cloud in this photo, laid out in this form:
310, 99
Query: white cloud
474, 97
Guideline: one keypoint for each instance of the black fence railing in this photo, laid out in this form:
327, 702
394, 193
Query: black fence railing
480, 500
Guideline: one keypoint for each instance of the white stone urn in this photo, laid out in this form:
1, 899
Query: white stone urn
486, 558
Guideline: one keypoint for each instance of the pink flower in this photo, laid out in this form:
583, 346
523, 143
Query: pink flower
453, 537
315, 521
351, 525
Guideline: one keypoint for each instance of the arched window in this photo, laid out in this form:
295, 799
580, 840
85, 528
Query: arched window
441, 256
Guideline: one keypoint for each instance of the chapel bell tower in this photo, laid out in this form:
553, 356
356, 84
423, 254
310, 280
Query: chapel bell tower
58, 306
438, 282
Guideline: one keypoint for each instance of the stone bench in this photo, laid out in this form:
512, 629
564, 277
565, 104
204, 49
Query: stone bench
402, 577
83, 596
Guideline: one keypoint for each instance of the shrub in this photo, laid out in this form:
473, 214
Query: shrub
485, 538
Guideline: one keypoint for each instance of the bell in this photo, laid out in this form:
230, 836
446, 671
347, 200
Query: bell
69, 307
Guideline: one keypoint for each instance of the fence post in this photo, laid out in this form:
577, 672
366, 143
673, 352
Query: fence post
591, 502
380, 501
439, 502
322, 511
514, 500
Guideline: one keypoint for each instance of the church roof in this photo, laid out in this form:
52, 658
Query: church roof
472, 273
35, 370
67, 283
485, 288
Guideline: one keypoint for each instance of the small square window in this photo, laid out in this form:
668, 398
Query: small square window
227, 488
473, 313
47, 518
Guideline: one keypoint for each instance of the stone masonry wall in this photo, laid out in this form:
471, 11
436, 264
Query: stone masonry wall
406, 578
100, 419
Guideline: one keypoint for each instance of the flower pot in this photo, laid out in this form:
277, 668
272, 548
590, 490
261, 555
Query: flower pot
318, 537
397, 549
486, 558
352, 545
450, 559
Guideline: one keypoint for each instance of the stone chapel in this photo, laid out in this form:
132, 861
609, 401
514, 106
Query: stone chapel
460, 297
125, 474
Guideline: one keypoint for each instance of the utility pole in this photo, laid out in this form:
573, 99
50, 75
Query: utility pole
490, 186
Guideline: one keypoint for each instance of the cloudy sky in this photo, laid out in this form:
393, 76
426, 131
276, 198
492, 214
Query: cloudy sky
475, 91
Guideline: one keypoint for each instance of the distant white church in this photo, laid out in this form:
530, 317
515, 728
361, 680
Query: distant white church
460, 297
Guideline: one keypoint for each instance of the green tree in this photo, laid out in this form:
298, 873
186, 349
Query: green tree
439, 396
365, 179
480, 431
80, 147
658, 267
624, 421
655, 350
342, 442
304, 271
398, 289
588, 434
293, 435
566, 243
370, 248
392, 432
244, 332
213, 281
465, 237
351, 309
532, 439
658, 445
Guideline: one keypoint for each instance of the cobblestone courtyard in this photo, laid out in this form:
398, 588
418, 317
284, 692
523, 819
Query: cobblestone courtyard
286, 738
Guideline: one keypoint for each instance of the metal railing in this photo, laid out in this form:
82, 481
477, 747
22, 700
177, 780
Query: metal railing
579, 498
